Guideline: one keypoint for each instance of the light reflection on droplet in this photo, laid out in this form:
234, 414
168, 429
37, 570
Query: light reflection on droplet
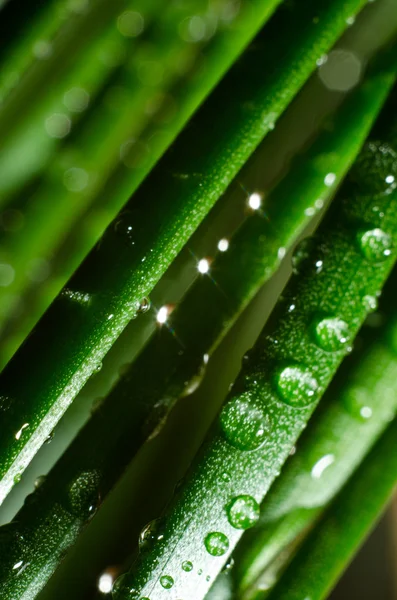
321, 465
329, 179
255, 201
223, 245
162, 315
19, 433
105, 583
366, 412
203, 266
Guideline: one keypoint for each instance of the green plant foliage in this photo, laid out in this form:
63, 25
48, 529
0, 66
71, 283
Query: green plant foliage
281, 381
358, 406
344, 526
106, 292
161, 374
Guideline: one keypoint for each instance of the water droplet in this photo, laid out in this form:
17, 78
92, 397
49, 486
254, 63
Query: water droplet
255, 201
228, 565
203, 266
187, 566
370, 303
223, 245
297, 386
243, 512
329, 179
244, 422
105, 583
83, 496
39, 481
208, 578
375, 244
305, 257
321, 465
150, 534
78, 297
18, 477
375, 169
226, 477
166, 581
20, 432
216, 543
331, 333
98, 368
122, 589
144, 305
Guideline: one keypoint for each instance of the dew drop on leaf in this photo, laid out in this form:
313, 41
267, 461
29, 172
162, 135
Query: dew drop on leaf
243, 512
306, 257
39, 481
370, 303
228, 565
375, 169
331, 333
150, 534
144, 305
216, 543
187, 566
375, 244
83, 495
244, 422
122, 589
166, 581
297, 386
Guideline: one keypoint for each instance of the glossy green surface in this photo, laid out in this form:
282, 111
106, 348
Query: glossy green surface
357, 407
105, 292
281, 381
342, 529
145, 394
